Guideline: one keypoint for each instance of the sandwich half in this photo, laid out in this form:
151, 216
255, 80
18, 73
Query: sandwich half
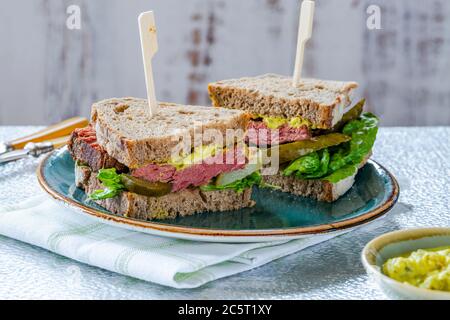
165, 166
322, 137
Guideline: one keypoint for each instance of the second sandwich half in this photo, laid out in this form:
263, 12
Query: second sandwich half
322, 137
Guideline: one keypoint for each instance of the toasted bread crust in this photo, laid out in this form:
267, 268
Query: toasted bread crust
321, 102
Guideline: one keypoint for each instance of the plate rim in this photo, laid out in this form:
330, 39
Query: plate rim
204, 232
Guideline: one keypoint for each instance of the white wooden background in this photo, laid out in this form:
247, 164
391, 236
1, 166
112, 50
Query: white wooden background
48, 72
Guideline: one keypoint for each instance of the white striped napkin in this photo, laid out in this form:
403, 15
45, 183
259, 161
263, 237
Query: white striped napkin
171, 262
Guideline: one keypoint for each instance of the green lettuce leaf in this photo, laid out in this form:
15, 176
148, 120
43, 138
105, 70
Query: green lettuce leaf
363, 132
239, 185
310, 166
342, 173
106, 193
304, 165
112, 182
323, 168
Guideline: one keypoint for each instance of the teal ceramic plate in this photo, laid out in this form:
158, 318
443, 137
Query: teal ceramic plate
276, 216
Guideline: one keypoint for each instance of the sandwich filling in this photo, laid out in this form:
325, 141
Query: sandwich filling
196, 174
309, 153
338, 162
211, 167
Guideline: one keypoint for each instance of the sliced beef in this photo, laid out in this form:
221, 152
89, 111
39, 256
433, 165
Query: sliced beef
83, 147
259, 134
194, 175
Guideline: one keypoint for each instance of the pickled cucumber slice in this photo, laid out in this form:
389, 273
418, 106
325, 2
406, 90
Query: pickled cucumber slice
291, 151
146, 188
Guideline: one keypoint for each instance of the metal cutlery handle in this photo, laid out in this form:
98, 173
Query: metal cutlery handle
13, 155
38, 148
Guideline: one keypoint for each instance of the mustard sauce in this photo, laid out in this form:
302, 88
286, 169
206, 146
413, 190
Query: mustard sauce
423, 268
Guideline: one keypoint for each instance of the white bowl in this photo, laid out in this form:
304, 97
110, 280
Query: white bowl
393, 244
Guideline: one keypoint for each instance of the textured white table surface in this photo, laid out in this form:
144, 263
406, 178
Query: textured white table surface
418, 157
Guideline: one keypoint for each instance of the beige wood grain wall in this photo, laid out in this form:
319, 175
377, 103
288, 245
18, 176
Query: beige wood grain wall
48, 72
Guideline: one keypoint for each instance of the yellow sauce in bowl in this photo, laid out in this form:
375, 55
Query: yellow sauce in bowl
423, 268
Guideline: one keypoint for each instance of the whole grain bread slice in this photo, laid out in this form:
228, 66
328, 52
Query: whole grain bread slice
321, 102
129, 135
182, 203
